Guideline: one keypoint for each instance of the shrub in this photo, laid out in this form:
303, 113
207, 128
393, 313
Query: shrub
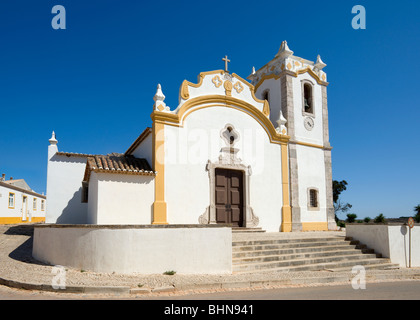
351, 217
379, 219
341, 224
367, 219
417, 218
170, 273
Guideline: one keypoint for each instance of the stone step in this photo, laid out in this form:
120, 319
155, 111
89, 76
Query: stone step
237, 243
378, 266
268, 252
285, 245
332, 266
304, 261
298, 256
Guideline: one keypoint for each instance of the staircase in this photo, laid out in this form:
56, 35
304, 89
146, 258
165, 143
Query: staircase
260, 252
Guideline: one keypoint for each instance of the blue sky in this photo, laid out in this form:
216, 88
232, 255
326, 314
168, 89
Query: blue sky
94, 82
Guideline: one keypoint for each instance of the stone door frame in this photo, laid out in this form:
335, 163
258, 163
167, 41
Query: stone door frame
209, 216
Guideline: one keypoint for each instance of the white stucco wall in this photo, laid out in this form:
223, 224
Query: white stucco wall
120, 198
274, 97
92, 205
15, 214
314, 136
207, 87
311, 174
145, 149
147, 250
64, 189
310, 159
392, 241
188, 148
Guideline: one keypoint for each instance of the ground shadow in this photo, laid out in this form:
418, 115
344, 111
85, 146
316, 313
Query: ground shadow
23, 252
75, 212
21, 230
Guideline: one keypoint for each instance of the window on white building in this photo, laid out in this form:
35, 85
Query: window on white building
11, 200
313, 198
85, 192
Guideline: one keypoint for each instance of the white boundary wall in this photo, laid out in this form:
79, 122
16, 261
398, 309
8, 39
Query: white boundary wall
392, 241
136, 249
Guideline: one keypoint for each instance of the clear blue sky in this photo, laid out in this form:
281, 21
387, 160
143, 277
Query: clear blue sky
94, 82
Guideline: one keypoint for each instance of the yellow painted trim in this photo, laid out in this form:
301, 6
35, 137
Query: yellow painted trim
228, 88
267, 77
307, 144
216, 100
15, 220
185, 84
184, 92
314, 226
253, 89
294, 74
286, 210
14, 200
159, 206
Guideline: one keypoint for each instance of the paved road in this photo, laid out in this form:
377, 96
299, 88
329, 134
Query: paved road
396, 290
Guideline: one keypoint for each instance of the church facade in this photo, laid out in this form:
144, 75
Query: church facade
245, 153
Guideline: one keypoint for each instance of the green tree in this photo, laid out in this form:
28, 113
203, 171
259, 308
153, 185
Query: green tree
379, 218
351, 217
417, 215
338, 188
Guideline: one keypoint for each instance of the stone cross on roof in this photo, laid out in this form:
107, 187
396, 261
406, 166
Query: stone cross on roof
226, 60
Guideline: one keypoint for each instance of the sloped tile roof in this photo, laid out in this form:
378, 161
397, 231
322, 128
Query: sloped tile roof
117, 163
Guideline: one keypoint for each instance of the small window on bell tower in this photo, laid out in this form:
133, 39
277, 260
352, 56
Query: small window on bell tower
266, 95
307, 98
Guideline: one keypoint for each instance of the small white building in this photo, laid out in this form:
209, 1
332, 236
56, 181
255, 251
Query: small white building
246, 153
19, 203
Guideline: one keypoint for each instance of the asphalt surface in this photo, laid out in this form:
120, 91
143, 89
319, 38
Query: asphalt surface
401, 290
393, 290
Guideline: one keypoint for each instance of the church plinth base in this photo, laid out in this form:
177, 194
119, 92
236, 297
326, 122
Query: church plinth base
145, 249
247, 230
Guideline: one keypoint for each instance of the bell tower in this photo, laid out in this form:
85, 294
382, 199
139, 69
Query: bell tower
296, 90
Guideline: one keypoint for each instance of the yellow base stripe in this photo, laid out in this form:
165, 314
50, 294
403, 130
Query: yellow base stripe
314, 226
14, 220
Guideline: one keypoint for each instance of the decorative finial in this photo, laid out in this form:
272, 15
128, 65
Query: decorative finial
159, 98
226, 60
53, 140
281, 123
253, 70
319, 64
284, 50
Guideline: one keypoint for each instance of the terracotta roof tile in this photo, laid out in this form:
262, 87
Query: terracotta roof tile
117, 163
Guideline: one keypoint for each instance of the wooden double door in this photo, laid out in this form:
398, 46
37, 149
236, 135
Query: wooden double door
229, 197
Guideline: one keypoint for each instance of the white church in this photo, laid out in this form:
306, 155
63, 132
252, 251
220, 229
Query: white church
249, 154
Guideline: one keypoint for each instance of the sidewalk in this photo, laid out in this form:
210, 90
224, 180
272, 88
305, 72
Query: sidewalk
19, 270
